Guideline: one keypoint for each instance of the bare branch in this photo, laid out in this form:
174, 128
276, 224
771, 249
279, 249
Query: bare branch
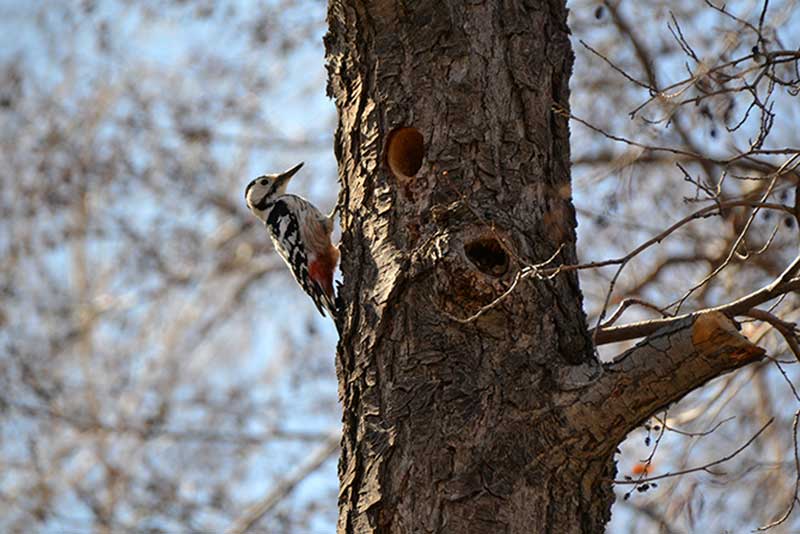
283, 488
783, 284
789, 511
678, 358
704, 467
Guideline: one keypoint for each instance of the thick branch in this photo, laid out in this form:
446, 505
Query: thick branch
661, 369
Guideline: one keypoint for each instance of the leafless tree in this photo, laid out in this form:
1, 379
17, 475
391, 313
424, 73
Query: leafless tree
144, 380
159, 371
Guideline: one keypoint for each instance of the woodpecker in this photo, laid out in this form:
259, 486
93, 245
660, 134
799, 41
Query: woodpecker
301, 235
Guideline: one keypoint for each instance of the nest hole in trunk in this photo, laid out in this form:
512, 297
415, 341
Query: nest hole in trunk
488, 256
405, 151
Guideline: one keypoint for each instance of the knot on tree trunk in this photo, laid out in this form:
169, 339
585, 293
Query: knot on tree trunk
473, 268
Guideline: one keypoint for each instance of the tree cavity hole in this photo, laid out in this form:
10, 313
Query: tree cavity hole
405, 151
488, 256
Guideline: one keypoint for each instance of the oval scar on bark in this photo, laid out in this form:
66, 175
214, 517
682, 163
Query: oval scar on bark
404, 152
488, 255
713, 332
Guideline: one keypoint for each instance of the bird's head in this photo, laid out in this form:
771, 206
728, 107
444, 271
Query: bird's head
262, 192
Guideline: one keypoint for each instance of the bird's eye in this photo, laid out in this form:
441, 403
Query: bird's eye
263, 182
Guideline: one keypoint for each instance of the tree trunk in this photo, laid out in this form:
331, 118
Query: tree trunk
455, 180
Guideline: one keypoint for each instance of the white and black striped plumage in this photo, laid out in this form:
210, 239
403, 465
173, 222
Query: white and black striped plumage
301, 235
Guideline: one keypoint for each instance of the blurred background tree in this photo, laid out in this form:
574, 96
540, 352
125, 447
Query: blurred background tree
160, 371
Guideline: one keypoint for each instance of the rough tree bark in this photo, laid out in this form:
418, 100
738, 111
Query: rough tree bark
455, 175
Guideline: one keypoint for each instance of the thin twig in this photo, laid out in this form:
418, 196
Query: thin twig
783, 284
789, 511
705, 467
522, 274
627, 303
786, 329
255, 512
739, 239
693, 434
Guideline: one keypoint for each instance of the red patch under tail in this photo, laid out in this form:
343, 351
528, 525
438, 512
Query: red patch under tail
321, 270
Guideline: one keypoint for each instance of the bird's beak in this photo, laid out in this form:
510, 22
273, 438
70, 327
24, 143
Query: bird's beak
288, 174
284, 177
